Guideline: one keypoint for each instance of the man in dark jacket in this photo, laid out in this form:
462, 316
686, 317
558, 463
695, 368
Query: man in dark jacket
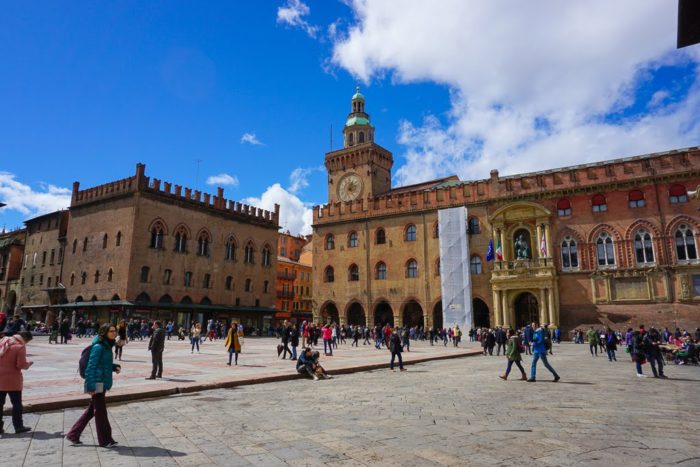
651, 340
156, 345
395, 347
501, 340
286, 334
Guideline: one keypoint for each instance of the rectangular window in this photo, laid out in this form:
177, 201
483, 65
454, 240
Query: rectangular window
564, 212
600, 207
41, 279
696, 284
53, 256
638, 203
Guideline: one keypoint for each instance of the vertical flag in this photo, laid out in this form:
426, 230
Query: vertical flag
489, 253
543, 246
499, 252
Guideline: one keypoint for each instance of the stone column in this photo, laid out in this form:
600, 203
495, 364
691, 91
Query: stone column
537, 242
497, 308
543, 306
550, 297
503, 244
504, 308
548, 239
555, 321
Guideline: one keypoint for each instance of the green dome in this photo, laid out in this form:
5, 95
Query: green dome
357, 94
357, 121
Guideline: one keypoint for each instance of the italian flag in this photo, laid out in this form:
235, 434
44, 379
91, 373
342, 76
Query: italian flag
499, 251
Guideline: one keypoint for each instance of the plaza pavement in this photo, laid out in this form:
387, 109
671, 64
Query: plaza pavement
53, 381
448, 412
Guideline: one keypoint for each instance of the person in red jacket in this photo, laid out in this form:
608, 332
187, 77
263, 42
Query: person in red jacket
327, 335
13, 359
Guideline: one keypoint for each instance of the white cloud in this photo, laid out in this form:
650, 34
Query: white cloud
299, 178
250, 138
24, 199
223, 179
292, 14
295, 215
531, 82
658, 98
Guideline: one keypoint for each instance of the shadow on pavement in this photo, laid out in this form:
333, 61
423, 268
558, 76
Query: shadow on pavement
176, 380
574, 382
38, 435
147, 451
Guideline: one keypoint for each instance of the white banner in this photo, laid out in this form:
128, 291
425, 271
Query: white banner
454, 269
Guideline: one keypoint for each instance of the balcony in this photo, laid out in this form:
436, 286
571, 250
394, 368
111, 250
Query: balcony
287, 276
538, 267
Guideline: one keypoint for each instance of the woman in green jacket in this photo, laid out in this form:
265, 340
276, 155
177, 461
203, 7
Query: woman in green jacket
513, 354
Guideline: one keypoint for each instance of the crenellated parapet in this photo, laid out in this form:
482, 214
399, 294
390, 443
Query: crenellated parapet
140, 183
586, 178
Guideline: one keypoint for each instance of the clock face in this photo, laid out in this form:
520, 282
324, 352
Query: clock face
350, 188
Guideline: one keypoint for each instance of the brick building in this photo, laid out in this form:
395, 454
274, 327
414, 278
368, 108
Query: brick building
293, 288
140, 247
11, 260
613, 242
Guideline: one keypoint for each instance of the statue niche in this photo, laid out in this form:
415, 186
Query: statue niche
521, 244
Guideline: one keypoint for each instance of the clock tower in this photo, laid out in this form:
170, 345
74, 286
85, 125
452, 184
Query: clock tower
362, 169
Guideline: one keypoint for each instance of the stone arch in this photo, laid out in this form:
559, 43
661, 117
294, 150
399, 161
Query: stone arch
642, 224
165, 299
580, 239
143, 297
382, 312
205, 301
79, 298
355, 313
115, 298
656, 240
481, 317
621, 257
186, 300
526, 308
183, 227
328, 312
607, 227
673, 224
158, 221
412, 313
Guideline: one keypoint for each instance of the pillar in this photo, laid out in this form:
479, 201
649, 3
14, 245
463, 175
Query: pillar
543, 306
497, 308
536, 246
550, 297
503, 244
548, 239
505, 310
555, 321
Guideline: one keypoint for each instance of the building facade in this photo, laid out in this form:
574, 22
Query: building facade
11, 261
610, 243
143, 248
294, 301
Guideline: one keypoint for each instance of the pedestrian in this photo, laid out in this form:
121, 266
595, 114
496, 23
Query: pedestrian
169, 329
513, 348
592, 337
406, 340
652, 340
355, 337
501, 340
286, 333
64, 330
156, 345
539, 351
234, 342
638, 352
294, 341
13, 359
195, 336
98, 380
611, 345
121, 341
395, 348
457, 336
327, 333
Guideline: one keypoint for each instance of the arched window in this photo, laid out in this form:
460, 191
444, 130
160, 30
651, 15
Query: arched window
410, 233
353, 273
380, 237
436, 230
266, 286
206, 281
104, 241
144, 273
157, 235
351, 139
412, 269
643, 249
328, 275
266, 256
83, 277
75, 245
475, 264
474, 227
685, 244
569, 253
605, 251
599, 204
97, 277
248, 253
362, 137
110, 275
119, 239
677, 194
203, 244
563, 207
636, 199
188, 279
72, 279
230, 254
330, 242
181, 240
380, 270
248, 285
229, 283
85, 243
352, 240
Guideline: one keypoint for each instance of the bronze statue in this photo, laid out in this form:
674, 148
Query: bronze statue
522, 249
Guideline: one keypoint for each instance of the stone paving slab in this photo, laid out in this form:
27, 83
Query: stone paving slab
447, 412
53, 382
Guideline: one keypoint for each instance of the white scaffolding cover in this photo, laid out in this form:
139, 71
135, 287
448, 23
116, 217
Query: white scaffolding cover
454, 268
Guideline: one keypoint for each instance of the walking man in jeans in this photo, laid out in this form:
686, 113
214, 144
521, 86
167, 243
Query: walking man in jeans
156, 345
539, 351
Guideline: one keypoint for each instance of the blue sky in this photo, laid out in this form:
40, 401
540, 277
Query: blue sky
251, 89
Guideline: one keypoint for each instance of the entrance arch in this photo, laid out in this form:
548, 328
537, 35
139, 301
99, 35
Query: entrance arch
526, 310
383, 314
329, 313
11, 302
356, 314
437, 315
413, 314
481, 313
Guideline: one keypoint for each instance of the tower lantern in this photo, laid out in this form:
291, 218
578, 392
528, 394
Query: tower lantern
358, 129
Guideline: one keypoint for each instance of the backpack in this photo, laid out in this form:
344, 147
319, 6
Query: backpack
84, 359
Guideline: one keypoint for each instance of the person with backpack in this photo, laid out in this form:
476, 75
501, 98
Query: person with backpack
96, 366
13, 359
513, 350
